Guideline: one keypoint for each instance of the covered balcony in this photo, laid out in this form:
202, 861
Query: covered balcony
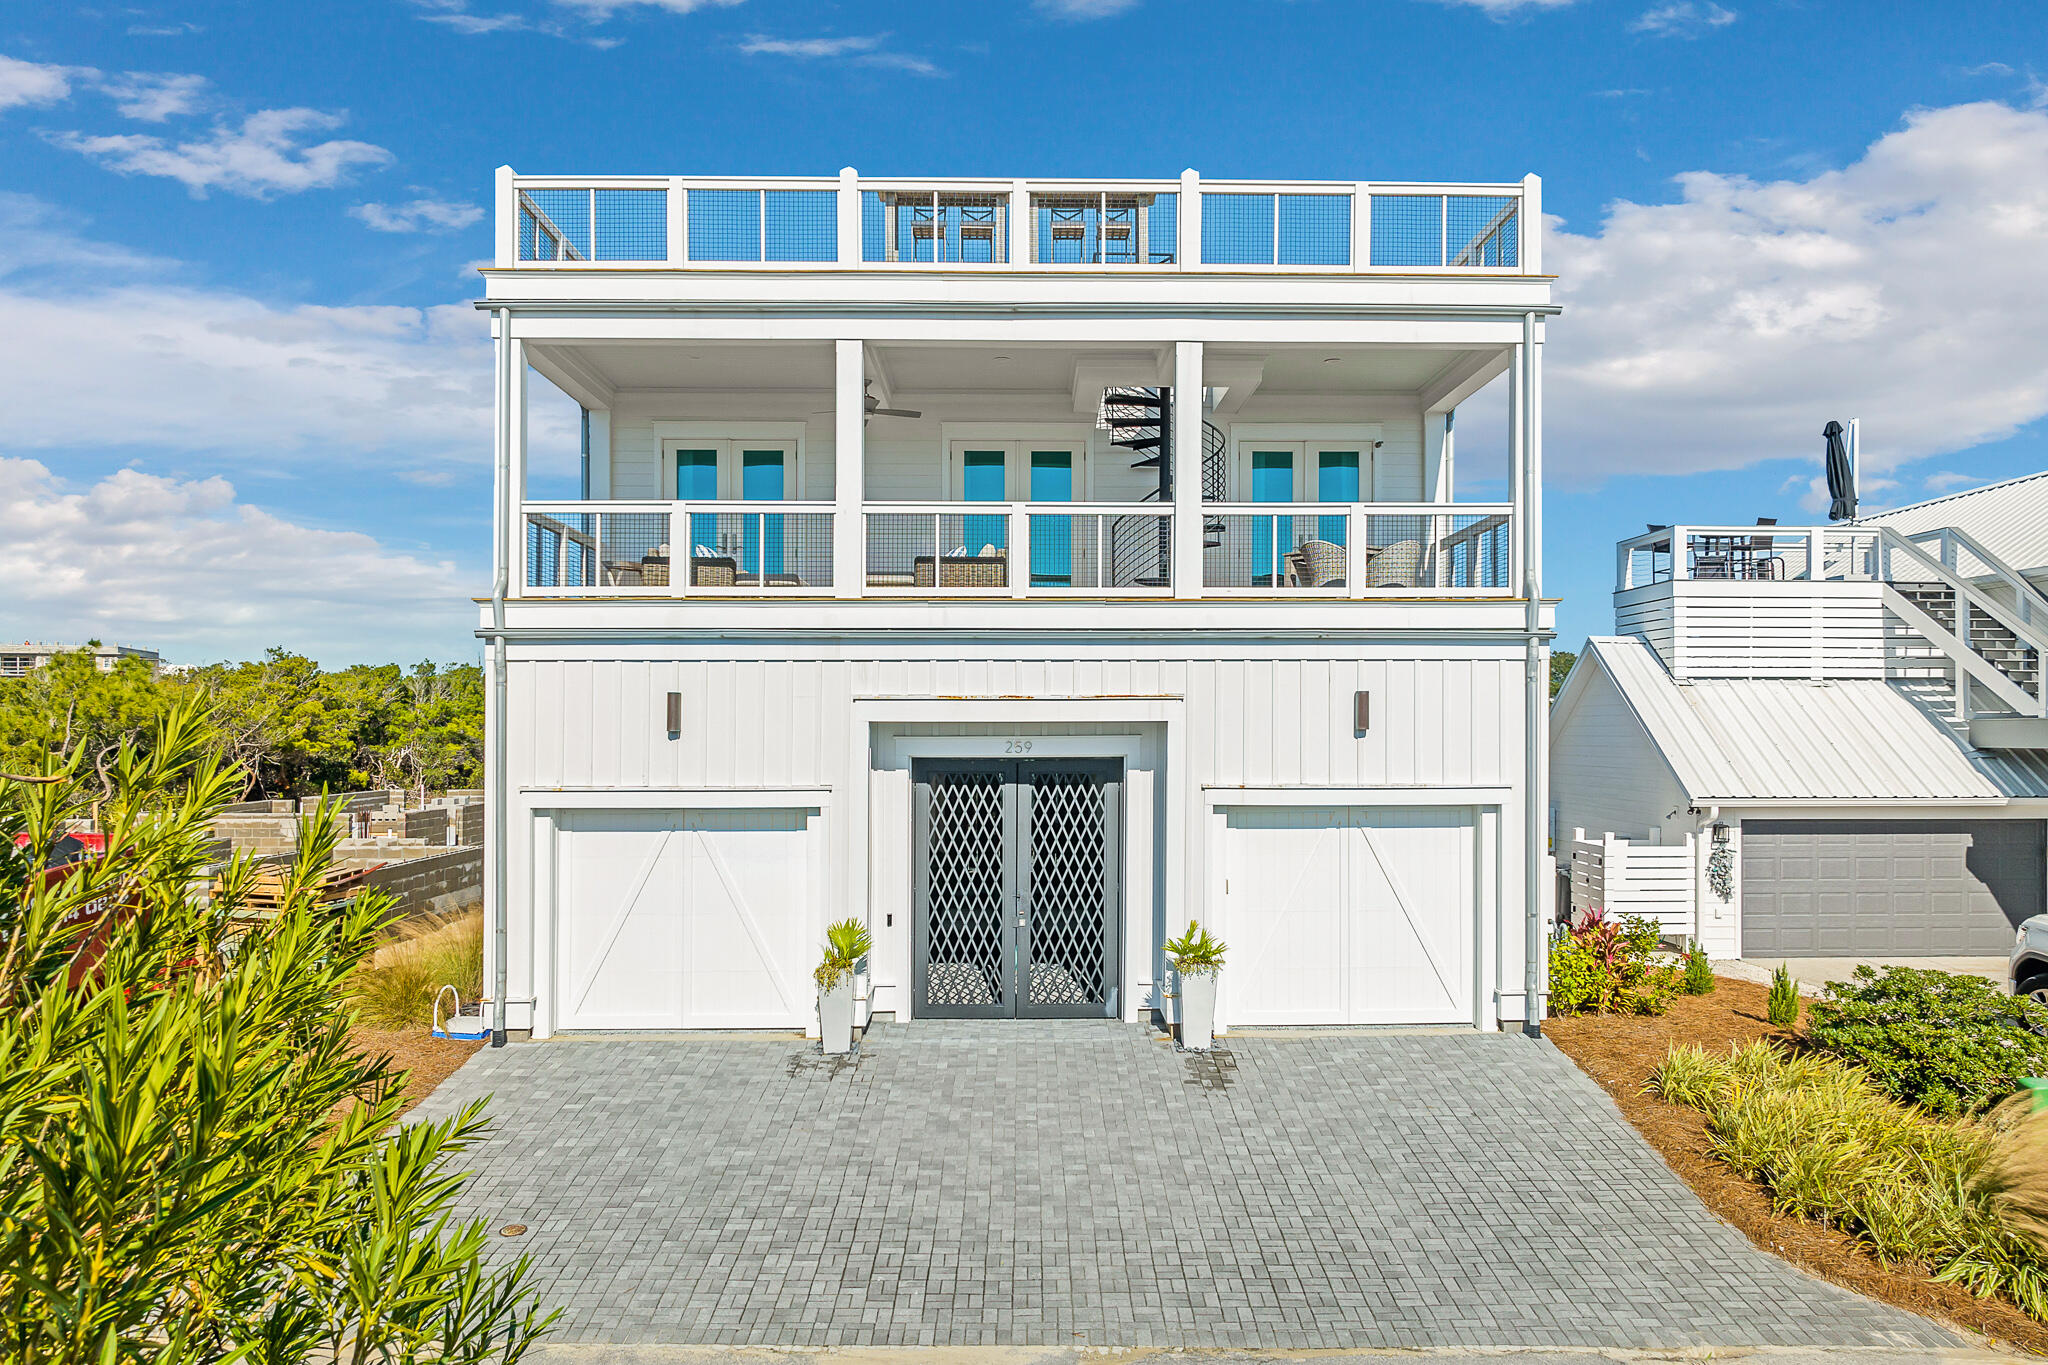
1018, 470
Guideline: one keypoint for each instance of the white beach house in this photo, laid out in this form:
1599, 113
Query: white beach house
1024, 568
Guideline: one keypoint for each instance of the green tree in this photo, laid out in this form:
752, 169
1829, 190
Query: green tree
70, 708
280, 722
195, 1163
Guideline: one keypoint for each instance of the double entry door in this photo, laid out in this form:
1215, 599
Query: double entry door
1018, 888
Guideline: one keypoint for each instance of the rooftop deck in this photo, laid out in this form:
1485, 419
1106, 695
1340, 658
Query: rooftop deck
851, 222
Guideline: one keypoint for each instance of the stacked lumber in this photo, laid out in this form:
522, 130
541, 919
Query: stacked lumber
266, 894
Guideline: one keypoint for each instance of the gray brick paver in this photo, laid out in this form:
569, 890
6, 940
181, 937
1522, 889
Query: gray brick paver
1041, 1183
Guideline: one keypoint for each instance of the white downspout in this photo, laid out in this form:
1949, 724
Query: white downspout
1536, 803
501, 547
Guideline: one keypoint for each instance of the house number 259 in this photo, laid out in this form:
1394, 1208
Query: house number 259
1016, 746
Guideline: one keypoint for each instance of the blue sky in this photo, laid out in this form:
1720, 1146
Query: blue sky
247, 401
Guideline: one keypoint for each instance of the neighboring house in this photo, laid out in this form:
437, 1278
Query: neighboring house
20, 660
1023, 569
1788, 699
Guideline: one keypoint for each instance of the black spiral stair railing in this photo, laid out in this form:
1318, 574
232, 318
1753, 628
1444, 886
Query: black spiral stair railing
1141, 420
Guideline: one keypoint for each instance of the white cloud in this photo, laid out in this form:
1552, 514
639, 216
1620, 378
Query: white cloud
181, 566
1084, 9
38, 240
168, 30
153, 96
1948, 481
602, 9
36, 82
861, 51
421, 215
1501, 9
1683, 19
266, 155
1726, 328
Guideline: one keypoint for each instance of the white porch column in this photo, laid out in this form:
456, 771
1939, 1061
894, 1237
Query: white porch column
600, 453
515, 481
1187, 469
849, 466
849, 218
505, 248
1439, 458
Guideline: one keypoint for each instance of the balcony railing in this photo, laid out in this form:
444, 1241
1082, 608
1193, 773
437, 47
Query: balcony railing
1358, 549
853, 223
925, 548
677, 549
1016, 549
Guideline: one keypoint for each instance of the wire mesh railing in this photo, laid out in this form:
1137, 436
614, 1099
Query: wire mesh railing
1358, 549
1276, 229
1481, 231
939, 549
764, 225
593, 224
798, 221
936, 226
676, 549
1104, 228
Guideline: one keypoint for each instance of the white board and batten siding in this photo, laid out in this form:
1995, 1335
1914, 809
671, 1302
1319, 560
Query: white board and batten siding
766, 721
1711, 629
1351, 914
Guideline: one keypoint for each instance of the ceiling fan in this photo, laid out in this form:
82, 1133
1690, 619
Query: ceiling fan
871, 406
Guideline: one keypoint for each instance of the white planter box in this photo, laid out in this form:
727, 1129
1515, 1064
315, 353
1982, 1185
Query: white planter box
1197, 1010
835, 1016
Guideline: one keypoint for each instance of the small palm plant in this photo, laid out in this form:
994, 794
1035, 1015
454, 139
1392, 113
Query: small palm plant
1196, 952
846, 946
1782, 1008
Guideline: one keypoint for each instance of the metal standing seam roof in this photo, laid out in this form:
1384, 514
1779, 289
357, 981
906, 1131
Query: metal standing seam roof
1785, 739
2010, 518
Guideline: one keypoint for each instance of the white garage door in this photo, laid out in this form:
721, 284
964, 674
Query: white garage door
684, 919
1349, 915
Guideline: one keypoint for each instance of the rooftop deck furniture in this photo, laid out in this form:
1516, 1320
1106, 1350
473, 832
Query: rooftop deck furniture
1320, 563
961, 571
1395, 566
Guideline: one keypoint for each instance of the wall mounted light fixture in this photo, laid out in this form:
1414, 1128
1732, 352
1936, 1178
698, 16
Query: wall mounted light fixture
1361, 711
675, 713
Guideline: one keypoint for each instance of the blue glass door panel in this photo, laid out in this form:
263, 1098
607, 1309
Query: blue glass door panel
762, 479
1336, 481
1052, 538
1272, 481
982, 479
697, 481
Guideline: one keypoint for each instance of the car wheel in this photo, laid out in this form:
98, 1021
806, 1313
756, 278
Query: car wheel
2035, 986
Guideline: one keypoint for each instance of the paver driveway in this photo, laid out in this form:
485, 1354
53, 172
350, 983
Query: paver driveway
1043, 1183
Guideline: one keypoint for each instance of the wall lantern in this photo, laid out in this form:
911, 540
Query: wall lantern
1361, 711
675, 713
1720, 834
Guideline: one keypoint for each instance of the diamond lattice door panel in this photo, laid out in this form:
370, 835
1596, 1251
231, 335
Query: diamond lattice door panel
1018, 889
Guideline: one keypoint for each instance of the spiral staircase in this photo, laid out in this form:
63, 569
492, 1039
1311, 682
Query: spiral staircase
1140, 420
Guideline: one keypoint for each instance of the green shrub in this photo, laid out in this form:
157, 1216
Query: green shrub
1605, 966
1698, 977
1829, 1146
395, 989
197, 1163
1948, 1043
1781, 1007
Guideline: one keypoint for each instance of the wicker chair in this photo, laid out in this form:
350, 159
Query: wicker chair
1396, 566
962, 571
1319, 564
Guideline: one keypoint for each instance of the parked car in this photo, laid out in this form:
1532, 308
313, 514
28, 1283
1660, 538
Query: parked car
2028, 968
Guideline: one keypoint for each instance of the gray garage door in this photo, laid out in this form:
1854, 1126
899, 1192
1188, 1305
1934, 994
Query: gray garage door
1833, 888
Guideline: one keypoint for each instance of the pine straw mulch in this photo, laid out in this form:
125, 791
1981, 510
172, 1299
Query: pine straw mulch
1620, 1053
426, 1060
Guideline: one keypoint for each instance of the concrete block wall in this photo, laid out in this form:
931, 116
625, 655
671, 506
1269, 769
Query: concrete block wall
440, 883
429, 823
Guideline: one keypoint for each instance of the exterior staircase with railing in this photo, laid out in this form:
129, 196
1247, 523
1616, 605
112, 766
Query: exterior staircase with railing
1140, 420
